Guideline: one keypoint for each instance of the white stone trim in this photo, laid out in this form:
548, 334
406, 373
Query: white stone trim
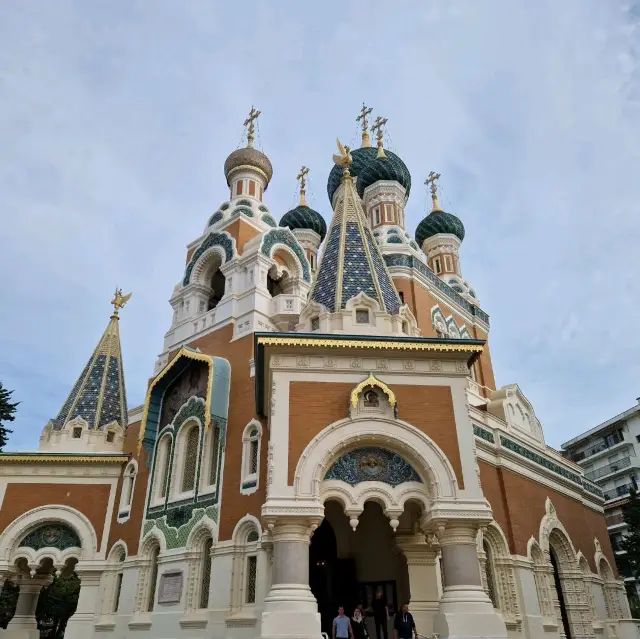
180, 458
249, 481
128, 488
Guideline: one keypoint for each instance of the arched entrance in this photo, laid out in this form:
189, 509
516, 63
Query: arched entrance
563, 616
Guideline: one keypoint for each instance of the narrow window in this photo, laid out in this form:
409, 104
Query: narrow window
253, 468
164, 457
239, 187
252, 569
110, 436
315, 323
252, 188
153, 579
77, 432
401, 297
376, 213
190, 460
250, 458
116, 600
388, 212
362, 316
448, 264
488, 568
437, 266
213, 466
206, 574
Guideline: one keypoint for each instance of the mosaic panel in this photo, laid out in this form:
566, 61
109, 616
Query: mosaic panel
88, 402
372, 464
280, 236
356, 273
110, 410
66, 407
267, 219
176, 537
389, 293
213, 239
324, 291
52, 536
483, 434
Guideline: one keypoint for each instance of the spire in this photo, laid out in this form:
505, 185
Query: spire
377, 127
302, 178
351, 262
364, 123
431, 183
98, 396
250, 124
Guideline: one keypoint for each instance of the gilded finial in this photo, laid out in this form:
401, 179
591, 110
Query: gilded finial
364, 123
302, 178
377, 127
431, 183
119, 300
344, 159
250, 124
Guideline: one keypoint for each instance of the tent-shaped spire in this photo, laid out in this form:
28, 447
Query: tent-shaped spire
98, 396
352, 262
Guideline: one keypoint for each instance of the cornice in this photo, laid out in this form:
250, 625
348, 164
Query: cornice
63, 458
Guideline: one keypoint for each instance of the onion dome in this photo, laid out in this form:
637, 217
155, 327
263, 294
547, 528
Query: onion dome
304, 217
439, 222
361, 157
389, 167
250, 158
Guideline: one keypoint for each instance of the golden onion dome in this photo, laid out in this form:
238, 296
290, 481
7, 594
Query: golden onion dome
250, 158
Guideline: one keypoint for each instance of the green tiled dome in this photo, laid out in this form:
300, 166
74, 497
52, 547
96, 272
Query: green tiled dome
390, 168
361, 157
304, 217
439, 222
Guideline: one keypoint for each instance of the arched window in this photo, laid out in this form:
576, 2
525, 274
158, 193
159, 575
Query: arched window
245, 592
128, 485
210, 473
190, 459
218, 282
251, 457
112, 579
153, 578
118, 583
488, 573
206, 574
163, 459
251, 571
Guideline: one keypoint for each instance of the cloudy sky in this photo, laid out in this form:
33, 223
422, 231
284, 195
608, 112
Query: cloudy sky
116, 117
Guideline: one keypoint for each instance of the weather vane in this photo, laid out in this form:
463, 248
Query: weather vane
431, 180
302, 178
250, 125
377, 127
364, 123
344, 159
119, 301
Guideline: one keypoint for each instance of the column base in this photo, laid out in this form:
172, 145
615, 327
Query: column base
465, 612
290, 611
424, 613
80, 626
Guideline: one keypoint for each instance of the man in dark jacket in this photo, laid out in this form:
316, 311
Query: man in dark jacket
380, 615
404, 626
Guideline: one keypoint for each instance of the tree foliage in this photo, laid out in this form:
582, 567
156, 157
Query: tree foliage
57, 603
7, 414
8, 601
631, 541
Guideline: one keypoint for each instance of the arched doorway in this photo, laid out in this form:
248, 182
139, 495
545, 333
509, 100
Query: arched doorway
564, 617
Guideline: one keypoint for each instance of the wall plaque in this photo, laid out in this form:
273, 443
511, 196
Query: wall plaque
170, 587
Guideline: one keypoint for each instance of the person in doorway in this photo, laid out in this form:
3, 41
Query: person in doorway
404, 626
381, 615
358, 623
342, 626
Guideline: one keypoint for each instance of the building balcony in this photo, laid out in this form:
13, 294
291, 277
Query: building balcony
608, 444
618, 492
609, 469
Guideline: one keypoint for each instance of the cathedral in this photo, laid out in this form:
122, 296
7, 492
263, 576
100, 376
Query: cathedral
321, 426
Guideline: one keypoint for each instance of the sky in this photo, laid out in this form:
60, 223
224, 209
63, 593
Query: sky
116, 117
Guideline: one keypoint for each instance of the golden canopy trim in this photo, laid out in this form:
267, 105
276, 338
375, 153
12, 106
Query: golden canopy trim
372, 381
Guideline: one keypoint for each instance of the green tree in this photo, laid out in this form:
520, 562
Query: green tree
7, 414
629, 563
8, 601
57, 603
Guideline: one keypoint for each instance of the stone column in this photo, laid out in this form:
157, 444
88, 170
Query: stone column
24, 625
422, 561
465, 610
290, 609
80, 626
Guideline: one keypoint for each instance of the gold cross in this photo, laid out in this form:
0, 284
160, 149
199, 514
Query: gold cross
377, 127
249, 123
302, 178
362, 118
431, 180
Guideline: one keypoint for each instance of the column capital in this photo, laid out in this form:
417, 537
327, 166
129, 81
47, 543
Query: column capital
292, 527
457, 532
416, 549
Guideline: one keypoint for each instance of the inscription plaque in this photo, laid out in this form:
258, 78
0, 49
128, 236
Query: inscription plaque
170, 587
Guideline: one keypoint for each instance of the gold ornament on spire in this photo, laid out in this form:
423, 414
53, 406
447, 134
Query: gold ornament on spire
302, 178
344, 159
377, 127
364, 123
119, 301
250, 125
431, 183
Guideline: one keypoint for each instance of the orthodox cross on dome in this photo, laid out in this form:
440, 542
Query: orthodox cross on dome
119, 301
250, 124
377, 127
302, 178
364, 123
431, 180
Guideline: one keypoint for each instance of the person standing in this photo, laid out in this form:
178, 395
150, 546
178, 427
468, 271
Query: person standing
342, 626
381, 615
404, 626
358, 624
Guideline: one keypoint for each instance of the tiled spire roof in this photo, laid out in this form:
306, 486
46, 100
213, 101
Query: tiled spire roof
352, 262
98, 396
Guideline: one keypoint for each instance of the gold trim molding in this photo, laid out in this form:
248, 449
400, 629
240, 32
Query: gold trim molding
66, 459
372, 381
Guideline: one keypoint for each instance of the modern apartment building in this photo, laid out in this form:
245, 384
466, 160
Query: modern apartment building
610, 456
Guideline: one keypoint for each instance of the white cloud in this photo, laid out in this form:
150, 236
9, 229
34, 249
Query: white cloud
115, 120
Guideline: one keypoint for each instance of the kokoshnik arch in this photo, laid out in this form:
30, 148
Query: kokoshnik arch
322, 422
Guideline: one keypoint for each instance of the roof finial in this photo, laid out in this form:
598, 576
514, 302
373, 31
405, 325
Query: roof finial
249, 123
364, 123
302, 178
431, 183
119, 300
344, 159
377, 127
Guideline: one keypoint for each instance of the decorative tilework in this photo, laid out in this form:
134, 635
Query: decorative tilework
55, 535
242, 210
215, 218
282, 236
592, 488
392, 232
372, 464
213, 239
356, 272
361, 157
267, 219
409, 261
176, 536
243, 203
483, 434
324, 291
194, 407
304, 217
390, 168
224, 206
413, 245
391, 299
394, 239
439, 222
263, 208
